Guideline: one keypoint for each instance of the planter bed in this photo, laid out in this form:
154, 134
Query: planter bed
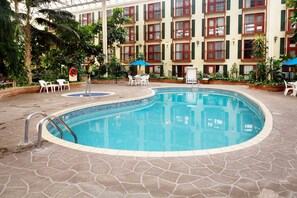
277, 88
179, 81
14, 91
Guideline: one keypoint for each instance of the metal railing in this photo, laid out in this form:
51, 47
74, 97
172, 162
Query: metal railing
40, 123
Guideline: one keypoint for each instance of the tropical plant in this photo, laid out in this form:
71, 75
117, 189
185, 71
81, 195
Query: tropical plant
115, 68
234, 71
51, 21
293, 5
10, 49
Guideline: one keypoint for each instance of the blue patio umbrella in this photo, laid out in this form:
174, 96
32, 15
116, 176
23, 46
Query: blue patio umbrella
140, 63
291, 62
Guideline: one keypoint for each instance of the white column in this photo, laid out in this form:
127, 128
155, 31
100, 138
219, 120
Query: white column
104, 29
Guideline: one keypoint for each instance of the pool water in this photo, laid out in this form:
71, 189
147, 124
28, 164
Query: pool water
174, 121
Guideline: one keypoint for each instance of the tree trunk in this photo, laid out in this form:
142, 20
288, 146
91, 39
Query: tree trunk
28, 49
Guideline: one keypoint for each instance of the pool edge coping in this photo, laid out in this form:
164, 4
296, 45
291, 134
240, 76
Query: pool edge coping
267, 128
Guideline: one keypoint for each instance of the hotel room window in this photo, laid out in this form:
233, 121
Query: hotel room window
182, 8
182, 29
215, 50
182, 51
154, 11
216, 26
254, 23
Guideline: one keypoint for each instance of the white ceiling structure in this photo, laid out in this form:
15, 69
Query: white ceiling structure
75, 6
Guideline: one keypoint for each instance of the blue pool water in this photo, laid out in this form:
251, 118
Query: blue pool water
172, 120
93, 94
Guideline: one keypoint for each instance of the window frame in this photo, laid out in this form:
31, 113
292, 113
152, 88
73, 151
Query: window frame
246, 49
153, 53
130, 53
289, 48
183, 30
183, 52
152, 12
214, 51
131, 13
214, 27
289, 26
214, 4
86, 19
256, 4
255, 24
153, 32
130, 34
246, 75
185, 9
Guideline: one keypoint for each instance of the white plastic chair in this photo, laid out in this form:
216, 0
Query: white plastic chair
287, 88
144, 80
46, 85
131, 80
294, 89
137, 80
63, 84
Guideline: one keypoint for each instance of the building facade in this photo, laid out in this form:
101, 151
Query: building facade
212, 35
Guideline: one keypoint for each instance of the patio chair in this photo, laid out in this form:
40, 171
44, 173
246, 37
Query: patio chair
144, 80
287, 88
63, 84
131, 80
294, 89
46, 85
137, 80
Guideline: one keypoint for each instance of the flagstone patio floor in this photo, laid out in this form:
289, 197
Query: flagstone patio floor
267, 169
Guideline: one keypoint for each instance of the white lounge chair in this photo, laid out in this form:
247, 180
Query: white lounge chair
191, 75
63, 84
288, 88
131, 80
46, 85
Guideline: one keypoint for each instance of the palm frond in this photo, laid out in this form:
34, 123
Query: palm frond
46, 37
57, 27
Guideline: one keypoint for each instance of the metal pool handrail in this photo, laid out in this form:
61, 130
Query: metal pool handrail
49, 119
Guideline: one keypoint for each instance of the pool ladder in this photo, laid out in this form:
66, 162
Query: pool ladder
40, 123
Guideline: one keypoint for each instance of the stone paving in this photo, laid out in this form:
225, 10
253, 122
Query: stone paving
268, 169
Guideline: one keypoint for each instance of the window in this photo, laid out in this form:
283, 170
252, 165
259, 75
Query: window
182, 51
215, 50
291, 25
108, 13
155, 69
248, 49
86, 19
130, 34
216, 26
291, 47
213, 69
254, 3
246, 70
154, 32
179, 70
215, 5
154, 11
182, 8
182, 29
154, 53
129, 12
254, 23
128, 53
